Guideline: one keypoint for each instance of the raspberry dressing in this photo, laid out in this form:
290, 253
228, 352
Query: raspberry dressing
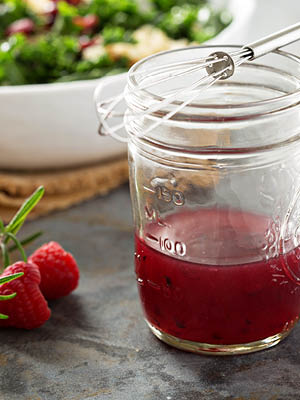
232, 294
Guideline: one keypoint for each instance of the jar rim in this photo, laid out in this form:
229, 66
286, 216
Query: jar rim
292, 97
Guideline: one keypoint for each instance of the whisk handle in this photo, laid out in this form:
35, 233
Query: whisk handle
275, 41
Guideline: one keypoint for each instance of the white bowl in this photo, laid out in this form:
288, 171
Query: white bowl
55, 125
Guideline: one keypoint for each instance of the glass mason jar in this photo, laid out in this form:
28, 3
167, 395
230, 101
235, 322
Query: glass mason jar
215, 193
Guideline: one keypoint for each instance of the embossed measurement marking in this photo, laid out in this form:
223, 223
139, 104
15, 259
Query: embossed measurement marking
152, 214
170, 196
163, 193
149, 189
170, 246
152, 238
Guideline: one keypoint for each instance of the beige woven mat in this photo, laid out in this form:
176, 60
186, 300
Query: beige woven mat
62, 188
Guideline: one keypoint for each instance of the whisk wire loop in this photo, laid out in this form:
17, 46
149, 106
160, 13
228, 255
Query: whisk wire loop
218, 66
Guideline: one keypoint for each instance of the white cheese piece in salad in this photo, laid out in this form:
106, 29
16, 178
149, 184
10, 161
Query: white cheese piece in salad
40, 6
149, 40
93, 53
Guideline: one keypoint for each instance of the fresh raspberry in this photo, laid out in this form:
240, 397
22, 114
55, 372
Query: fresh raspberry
59, 270
28, 309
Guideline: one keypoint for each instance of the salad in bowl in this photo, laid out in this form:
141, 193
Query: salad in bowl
45, 41
54, 53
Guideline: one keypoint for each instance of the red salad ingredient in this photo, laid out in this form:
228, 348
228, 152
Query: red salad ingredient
24, 25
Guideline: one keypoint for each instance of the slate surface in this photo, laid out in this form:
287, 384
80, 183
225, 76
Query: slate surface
97, 346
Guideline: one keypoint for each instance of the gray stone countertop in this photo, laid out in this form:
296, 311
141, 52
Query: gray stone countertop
97, 346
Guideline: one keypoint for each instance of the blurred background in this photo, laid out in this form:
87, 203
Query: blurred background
272, 15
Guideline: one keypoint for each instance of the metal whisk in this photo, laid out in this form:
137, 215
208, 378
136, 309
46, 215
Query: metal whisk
217, 66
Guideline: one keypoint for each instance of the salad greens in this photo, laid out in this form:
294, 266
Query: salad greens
52, 44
